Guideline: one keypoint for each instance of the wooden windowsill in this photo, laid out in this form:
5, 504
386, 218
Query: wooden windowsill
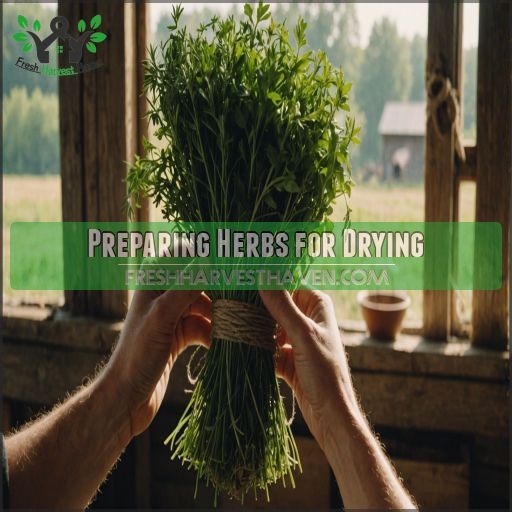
410, 354
410, 383
413, 354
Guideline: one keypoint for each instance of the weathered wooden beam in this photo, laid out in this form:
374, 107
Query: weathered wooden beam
110, 90
415, 355
95, 140
136, 32
71, 152
68, 332
44, 375
410, 354
141, 38
443, 52
466, 170
143, 470
435, 485
423, 403
494, 164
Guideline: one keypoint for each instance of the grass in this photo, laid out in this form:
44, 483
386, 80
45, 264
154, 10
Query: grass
38, 198
29, 199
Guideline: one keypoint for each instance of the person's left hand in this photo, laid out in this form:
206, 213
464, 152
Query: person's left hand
158, 327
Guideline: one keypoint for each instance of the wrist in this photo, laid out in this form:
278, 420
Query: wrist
107, 394
346, 424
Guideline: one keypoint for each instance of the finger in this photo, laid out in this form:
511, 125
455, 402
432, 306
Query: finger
174, 303
193, 330
202, 306
285, 312
314, 304
281, 336
142, 299
285, 365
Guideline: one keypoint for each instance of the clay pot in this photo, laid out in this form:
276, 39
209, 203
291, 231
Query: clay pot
383, 312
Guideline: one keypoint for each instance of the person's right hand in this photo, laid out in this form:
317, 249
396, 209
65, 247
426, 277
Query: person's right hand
311, 358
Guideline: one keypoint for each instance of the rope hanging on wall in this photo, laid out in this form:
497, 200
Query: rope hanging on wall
443, 106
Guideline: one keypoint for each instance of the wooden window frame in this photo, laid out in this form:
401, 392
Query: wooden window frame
98, 168
488, 163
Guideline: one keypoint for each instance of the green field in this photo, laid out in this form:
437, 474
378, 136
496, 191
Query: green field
31, 198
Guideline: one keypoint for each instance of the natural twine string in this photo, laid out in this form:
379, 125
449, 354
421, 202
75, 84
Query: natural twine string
441, 94
243, 323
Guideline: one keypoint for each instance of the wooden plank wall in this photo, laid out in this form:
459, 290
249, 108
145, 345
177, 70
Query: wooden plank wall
494, 163
467, 409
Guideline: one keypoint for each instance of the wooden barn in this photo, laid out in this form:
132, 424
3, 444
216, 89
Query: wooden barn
402, 131
438, 396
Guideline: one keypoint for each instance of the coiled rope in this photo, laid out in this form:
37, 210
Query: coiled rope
443, 103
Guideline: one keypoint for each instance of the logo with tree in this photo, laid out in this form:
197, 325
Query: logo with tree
89, 38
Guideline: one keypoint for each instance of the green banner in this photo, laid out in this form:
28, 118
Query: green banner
250, 256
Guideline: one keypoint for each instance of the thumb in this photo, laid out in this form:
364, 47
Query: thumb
175, 303
285, 312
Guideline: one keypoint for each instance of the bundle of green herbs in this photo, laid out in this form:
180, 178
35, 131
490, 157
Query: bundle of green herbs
247, 121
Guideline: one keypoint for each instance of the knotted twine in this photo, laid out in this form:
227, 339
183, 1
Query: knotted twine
241, 322
442, 97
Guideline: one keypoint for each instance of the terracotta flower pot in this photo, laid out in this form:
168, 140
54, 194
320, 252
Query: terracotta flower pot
383, 312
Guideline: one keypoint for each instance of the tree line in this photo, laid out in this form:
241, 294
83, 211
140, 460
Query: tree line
391, 67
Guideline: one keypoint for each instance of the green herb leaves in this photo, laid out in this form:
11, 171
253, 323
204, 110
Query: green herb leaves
222, 97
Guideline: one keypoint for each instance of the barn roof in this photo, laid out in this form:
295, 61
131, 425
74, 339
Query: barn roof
403, 118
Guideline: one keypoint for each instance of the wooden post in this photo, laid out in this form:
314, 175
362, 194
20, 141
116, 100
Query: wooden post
444, 43
136, 30
142, 125
95, 146
71, 154
494, 162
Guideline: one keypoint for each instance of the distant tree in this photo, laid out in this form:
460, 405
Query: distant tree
191, 18
469, 108
385, 75
12, 75
31, 132
333, 28
418, 55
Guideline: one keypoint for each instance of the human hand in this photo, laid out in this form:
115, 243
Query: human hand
311, 358
158, 327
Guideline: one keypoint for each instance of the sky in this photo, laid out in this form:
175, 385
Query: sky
411, 18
